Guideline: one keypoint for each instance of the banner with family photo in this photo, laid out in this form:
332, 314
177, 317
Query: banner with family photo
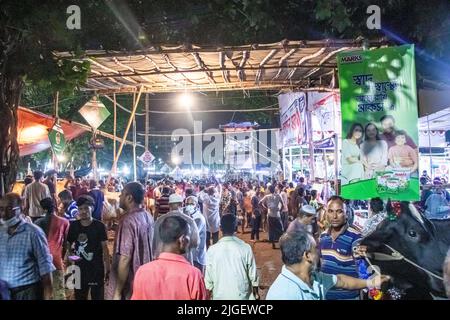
379, 124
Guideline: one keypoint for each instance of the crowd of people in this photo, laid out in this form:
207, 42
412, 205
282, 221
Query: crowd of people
179, 240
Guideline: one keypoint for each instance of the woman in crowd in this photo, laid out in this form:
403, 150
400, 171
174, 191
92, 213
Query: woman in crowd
352, 168
374, 151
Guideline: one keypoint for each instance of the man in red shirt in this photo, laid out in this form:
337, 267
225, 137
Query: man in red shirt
171, 276
56, 230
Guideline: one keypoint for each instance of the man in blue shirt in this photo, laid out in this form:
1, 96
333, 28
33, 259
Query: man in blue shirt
25, 260
299, 280
336, 243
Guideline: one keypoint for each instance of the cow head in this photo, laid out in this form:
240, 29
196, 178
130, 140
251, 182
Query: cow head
415, 238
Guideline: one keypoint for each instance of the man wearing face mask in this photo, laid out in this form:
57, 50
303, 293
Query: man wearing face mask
211, 204
25, 259
299, 279
170, 276
175, 205
192, 210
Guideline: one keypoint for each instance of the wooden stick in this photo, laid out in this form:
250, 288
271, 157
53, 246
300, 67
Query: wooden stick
158, 73
130, 121
114, 169
330, 43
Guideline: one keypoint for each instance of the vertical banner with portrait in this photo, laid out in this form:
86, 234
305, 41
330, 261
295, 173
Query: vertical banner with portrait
379, 124
293, 118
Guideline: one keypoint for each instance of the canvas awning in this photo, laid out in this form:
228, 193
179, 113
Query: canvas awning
33, 126
282, 65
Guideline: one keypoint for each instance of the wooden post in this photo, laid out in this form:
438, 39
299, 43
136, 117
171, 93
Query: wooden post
130, 120
311, 144
336, 161
114, 169
291, 164
134, 143
56, 106
56, 111
147, 116
94, 158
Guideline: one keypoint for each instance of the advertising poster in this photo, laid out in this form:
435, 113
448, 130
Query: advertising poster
379, 124
293, 118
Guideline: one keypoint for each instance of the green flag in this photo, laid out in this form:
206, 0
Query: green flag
379, 124
57, 140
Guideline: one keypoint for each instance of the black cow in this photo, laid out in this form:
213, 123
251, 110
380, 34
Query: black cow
415, 238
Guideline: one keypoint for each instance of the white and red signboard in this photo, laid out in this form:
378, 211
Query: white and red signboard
147, 157
293, 118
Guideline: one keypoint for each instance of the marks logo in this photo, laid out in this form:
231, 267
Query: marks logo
352, 59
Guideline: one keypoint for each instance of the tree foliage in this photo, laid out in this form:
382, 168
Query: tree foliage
31, 31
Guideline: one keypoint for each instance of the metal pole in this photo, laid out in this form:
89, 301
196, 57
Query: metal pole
130, 120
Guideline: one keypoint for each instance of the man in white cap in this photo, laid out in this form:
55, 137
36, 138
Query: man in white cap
305, 219
175, 205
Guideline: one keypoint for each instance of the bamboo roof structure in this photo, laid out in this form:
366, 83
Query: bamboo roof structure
275, 66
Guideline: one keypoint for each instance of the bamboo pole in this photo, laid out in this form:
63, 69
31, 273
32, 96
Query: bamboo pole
134, 142
114, 169
311, 144
56, 109
299, 44
147, 109
217, 69
130, 120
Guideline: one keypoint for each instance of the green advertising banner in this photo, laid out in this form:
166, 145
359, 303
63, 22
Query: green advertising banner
57, 140
379, 124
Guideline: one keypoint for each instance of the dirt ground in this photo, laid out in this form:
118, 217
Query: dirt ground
268, 260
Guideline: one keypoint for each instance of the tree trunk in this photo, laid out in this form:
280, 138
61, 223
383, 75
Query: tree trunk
11, 85
9, 148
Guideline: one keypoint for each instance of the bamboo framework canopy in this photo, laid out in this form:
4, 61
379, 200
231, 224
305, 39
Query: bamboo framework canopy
283, 65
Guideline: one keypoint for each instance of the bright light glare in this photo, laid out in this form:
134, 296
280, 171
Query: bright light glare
32, 133
126, 170
186, 100
61, 158
175, 160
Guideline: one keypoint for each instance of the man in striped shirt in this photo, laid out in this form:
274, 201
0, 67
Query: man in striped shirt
162, 203
336, 245
68, 207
